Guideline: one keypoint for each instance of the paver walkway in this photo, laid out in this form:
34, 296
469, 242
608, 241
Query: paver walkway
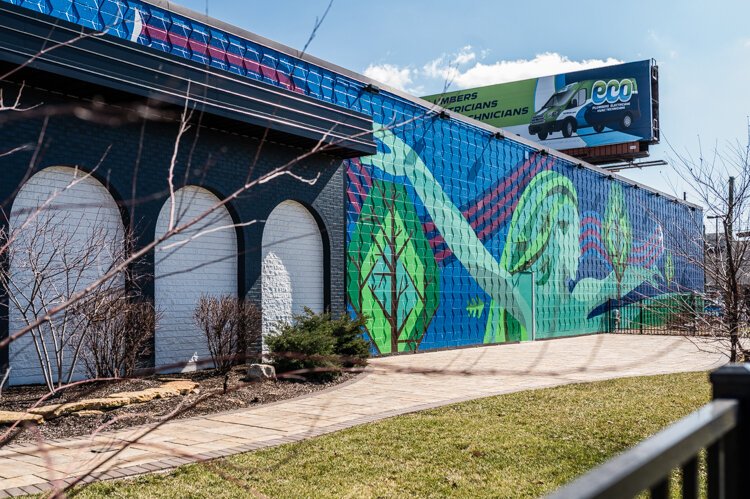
395, 385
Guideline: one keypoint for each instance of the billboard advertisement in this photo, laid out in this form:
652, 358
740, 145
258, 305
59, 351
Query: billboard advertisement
589, 108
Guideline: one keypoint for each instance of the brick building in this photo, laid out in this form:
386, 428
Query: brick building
440, 229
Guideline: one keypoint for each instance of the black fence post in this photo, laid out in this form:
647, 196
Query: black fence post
728, 459
641, 318
694, 314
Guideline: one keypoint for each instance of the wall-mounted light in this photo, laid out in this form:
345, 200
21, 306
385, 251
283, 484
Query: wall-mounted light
610, 177
579, 166
543, 152
498, 135
372, 88
444, 115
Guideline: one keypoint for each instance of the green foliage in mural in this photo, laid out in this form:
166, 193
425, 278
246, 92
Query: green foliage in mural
401, 160
393, 275
502, 326
618, 236
475, 308
668, 267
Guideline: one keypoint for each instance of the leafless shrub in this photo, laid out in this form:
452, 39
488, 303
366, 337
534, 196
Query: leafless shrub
230, 326
249, 341
121, 329
52, 259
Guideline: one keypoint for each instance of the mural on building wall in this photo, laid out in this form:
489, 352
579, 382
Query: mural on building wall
455, 237
581, 263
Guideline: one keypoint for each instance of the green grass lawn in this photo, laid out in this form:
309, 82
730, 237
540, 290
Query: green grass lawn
518, 445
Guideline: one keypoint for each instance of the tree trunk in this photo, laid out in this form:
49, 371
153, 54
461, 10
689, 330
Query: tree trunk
733, 293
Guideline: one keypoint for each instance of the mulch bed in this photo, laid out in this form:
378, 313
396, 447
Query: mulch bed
210, 399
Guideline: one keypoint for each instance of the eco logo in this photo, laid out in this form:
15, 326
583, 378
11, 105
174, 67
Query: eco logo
612, 91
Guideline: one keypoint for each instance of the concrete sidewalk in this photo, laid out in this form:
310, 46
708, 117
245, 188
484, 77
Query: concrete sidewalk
394, 385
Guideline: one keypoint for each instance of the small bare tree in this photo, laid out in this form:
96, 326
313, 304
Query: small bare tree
230, 326
722, 184
49, 262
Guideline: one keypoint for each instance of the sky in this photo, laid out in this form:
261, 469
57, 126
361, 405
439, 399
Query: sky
702, 49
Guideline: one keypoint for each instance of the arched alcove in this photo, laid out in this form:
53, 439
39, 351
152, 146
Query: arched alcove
293, 265
66, 232
200, 260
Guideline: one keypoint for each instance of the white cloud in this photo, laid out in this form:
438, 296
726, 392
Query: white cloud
467, 68
480, 74
390, 74
464, 56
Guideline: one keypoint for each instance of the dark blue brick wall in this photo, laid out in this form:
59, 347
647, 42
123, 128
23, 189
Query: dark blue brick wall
131, 159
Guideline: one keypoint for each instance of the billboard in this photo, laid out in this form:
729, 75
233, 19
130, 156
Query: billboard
582, 109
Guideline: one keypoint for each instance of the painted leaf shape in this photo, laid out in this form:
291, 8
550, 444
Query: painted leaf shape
393, 275
475, 308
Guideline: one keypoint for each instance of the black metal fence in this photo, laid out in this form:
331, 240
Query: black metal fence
714, 438
683, 315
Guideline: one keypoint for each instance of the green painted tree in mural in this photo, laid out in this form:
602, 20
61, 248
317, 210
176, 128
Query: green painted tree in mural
393, 275
618, 236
